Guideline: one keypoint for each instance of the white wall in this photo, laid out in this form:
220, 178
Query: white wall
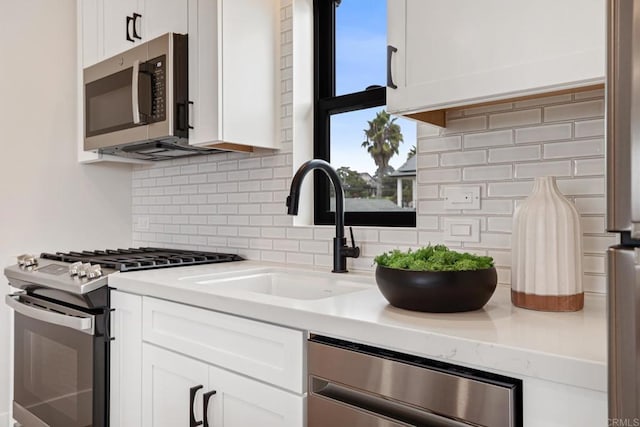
49, 201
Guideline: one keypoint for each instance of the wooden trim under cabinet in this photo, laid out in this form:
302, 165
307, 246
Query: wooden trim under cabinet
438, 117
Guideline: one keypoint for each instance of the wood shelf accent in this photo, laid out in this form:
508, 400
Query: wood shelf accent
438, 117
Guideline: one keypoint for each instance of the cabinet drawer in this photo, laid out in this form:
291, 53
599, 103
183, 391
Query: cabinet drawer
272, 354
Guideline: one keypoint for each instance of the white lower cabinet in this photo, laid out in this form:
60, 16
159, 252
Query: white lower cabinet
170, 379
216, 359
167, 379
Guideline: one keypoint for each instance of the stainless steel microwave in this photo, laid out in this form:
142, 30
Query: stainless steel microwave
136, 103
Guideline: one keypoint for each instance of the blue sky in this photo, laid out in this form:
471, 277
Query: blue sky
360, 62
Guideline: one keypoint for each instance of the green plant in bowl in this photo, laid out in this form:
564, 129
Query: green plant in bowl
435, 279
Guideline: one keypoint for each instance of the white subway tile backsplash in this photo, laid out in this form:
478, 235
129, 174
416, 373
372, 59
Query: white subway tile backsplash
286, 245
424, 130
579, 148
447, 143
318, 247
593, 264
589, 167
510, 189
578, 110
488, 139
249, 232
543, 133
595, 283
589, 128
273, 256
299, 258
300, 233
428, 191
427, 161
581, 186
515, 118
593, 224
500, 224
465, 125
463, 158
235, 202
514, 154
490, 207
261, 221
438, 175
249, 186
427, 222
403, 237
598, 244
533, 170
487, 173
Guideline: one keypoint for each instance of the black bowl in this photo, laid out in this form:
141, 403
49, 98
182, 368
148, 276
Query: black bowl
437, 291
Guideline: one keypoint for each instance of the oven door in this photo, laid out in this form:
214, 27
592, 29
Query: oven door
53, 364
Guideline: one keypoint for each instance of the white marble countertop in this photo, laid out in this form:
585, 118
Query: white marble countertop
568, 348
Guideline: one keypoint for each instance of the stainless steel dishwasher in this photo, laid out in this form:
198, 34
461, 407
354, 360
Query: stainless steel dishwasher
354, 385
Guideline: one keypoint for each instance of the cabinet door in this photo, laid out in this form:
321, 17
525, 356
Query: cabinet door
166, 382
164, 16
114, 17
461, 52
234, 66
90, 28
126, 360
242, 402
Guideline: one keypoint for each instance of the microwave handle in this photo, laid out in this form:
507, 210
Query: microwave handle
135, 101
138, 77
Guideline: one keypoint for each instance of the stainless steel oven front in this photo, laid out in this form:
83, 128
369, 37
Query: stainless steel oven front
60, 363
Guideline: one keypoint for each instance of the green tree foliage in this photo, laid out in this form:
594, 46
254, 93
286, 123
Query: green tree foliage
354, 185
383, 138
412, 152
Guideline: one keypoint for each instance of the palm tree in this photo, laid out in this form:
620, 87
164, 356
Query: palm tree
383, 139
412, 152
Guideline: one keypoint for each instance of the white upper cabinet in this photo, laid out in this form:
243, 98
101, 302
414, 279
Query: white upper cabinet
464, 52
234, 83
113, 26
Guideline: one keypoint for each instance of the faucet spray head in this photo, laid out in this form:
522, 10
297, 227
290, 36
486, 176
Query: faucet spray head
292, 204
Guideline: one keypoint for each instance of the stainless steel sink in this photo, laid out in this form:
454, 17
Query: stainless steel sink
290, 285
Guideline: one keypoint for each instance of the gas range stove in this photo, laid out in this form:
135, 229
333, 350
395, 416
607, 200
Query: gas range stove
83, 272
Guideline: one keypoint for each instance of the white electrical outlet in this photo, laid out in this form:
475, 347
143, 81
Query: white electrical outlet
467, 197
462, 229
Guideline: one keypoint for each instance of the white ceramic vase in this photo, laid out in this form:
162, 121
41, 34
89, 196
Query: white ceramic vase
546, 268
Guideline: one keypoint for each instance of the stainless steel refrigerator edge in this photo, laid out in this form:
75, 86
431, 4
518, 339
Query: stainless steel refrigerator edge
623, 207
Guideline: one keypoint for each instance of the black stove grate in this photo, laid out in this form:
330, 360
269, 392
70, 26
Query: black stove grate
134, 259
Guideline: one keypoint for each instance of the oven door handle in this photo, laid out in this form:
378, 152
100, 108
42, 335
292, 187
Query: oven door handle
84, 324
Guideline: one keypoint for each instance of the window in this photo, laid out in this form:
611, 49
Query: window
371, 150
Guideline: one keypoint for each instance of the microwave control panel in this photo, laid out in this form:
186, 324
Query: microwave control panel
157, 69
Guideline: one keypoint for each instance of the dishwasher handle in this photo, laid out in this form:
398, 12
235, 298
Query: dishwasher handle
351, 406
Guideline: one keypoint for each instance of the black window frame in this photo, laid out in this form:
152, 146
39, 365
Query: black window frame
326, 103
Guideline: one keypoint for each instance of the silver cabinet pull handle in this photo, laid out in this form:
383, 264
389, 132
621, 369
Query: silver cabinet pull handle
71, 320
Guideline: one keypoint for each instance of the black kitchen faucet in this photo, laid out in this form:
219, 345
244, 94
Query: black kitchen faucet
340, 249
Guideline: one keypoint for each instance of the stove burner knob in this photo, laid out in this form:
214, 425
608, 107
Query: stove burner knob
74, 268
27, 260
94, 271
83, 269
